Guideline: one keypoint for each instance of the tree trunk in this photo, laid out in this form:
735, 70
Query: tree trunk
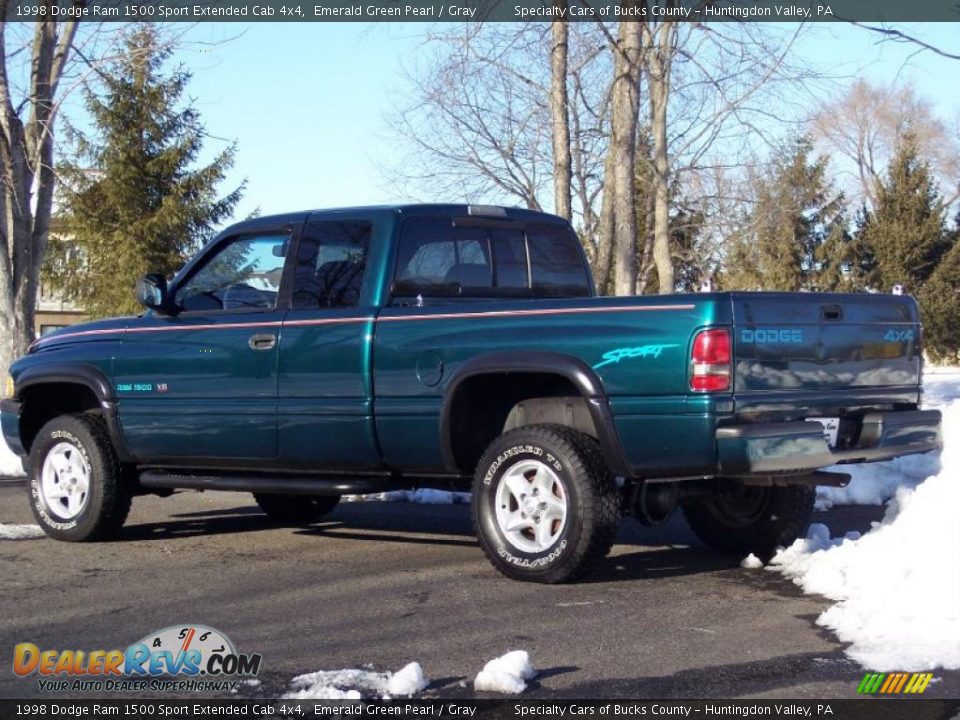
26, 168
602, 268
659, 61
625, 104
646, 232
559, 108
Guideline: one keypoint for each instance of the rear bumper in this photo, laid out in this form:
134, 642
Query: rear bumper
10, 425
784, 447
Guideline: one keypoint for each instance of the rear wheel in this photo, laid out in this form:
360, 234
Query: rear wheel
76, 485
545, 508
752, 519
296, 509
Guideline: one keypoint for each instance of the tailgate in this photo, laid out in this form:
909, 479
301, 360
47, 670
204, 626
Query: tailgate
826, 349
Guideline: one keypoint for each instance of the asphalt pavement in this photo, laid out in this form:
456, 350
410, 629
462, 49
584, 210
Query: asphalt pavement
382, 584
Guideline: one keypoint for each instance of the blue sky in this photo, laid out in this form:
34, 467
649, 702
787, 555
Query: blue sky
307, 103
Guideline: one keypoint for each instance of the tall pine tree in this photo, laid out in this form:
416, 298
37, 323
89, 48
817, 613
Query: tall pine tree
905, 233
132, 200
940, 303
794, 213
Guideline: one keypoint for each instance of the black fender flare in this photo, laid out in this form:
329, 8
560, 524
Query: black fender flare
90, 377
68, 372
572, 368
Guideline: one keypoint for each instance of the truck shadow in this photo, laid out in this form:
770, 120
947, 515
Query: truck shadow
780, 676
641, 552
655, 562
665, 551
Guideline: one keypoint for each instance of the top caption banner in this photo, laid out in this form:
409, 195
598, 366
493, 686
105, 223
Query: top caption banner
485, 11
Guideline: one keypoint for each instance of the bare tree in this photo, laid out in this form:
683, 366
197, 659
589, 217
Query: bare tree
625, 105
559, 110
479, 123
865, 126
893, 34
508, 113
660, 41
26, 163
487, 122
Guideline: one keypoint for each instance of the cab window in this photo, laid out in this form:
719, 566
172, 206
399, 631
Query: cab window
437, 258
330, 264
243, 274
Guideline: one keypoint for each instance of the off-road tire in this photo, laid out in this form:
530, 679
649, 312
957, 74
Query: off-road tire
108, 497
778, 515
296, 509
594, 504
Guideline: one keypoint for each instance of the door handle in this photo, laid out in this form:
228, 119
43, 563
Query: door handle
263, 341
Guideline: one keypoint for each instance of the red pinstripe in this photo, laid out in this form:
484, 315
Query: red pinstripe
389, 318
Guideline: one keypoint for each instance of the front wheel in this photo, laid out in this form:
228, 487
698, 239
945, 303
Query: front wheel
752, 519
296, 509
76, 485
545, 507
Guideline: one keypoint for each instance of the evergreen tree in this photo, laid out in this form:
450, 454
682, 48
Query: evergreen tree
906, 232
940, 304
794, 214
132, 200
843, 262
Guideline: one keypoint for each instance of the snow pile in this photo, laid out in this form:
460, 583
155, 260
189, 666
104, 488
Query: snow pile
875, 483
421, 496
356, 684
12, 531
751, 562
898, 586
9, 463
940, 385
506, 674
407, 680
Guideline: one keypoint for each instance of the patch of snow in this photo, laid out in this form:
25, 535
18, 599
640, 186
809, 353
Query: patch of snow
506, 674
252, 683
940, 385
9, 463
898, 587
421, 496
751, 562
13, 531
876, 483
353, 684
407, 681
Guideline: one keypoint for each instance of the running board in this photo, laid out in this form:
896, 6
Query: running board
281, 485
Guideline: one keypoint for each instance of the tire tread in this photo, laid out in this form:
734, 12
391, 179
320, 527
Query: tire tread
602, 508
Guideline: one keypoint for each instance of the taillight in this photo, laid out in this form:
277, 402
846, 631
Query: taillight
710, 361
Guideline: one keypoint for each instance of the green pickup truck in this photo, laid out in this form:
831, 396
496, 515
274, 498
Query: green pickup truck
306, 356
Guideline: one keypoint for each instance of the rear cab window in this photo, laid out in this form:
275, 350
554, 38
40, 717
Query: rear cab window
439, 257
331, 262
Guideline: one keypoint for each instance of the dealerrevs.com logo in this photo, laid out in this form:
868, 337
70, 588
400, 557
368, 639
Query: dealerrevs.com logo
178, 658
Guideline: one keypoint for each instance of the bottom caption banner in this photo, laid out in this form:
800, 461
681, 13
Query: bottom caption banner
862, 709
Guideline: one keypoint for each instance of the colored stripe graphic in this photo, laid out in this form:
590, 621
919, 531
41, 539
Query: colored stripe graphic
892, 679
870, 683
901, 681
918, 683
894, 683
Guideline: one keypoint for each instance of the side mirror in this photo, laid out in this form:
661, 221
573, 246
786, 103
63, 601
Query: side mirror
152, 291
